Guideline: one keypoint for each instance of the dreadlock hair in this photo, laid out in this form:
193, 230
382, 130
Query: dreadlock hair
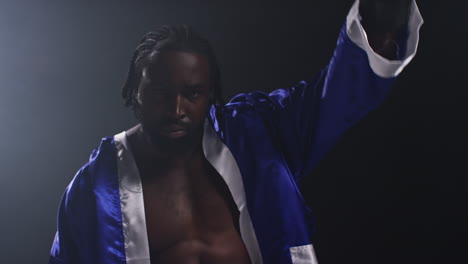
169, 38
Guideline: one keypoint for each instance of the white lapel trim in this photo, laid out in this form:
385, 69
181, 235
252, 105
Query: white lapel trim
131, 203
223, 161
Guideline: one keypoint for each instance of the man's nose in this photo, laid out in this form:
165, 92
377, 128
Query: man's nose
177, 109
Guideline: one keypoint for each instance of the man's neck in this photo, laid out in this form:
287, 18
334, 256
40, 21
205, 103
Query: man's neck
148, 152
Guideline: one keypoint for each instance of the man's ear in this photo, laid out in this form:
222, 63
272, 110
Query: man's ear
139, 97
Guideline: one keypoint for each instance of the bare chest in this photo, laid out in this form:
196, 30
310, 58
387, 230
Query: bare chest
192, 219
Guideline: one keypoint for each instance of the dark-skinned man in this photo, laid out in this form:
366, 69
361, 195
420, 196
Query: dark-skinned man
199, 181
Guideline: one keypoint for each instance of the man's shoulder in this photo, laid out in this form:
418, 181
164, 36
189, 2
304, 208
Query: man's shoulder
249, 101
105, 152
99, 170
257, 104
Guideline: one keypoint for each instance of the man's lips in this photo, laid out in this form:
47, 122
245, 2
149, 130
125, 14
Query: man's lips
172, 127
173, 131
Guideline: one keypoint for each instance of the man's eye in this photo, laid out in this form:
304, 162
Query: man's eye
194, 94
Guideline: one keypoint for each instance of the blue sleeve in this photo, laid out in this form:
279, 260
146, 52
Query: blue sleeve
309, 118
314, 114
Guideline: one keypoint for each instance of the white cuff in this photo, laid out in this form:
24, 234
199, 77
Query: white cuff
381, 66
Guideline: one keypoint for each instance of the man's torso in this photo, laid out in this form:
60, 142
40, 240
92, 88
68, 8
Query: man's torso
190, 215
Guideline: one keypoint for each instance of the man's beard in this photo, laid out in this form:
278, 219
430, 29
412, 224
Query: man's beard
167, 144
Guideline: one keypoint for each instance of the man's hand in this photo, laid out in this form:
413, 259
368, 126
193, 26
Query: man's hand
383, 21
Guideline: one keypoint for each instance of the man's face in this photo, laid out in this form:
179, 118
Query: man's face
174, 97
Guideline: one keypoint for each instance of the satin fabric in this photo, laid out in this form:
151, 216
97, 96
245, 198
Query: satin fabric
90, 220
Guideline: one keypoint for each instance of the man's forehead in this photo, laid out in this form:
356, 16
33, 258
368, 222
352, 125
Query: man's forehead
176, 63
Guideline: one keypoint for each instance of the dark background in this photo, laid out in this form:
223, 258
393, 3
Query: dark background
393, 190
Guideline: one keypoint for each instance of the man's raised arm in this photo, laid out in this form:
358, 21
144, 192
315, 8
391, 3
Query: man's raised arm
378, 40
